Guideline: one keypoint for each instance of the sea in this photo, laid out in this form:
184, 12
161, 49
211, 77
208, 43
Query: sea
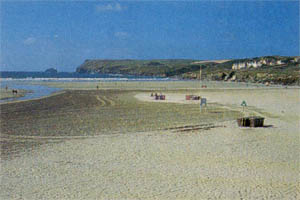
9, 75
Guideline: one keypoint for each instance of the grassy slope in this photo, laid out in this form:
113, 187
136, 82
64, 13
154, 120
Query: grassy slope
285, 74
138, 67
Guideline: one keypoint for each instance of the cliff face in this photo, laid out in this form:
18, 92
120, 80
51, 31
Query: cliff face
270, 69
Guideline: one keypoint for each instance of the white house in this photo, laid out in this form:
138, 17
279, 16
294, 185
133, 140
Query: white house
254, 64
257, 64
235, 66
264, 61
272, 62
250, 64
239, 65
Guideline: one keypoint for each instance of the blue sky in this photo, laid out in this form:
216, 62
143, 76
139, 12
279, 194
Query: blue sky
36, 35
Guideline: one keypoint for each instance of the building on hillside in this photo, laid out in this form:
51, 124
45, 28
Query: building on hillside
239, 65
259, 64
268, 61
249, 64
264, 61
279, 62
254, 64
235, 66
272, 62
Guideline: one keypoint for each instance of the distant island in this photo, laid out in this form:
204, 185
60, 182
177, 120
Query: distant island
51, 71
267, 69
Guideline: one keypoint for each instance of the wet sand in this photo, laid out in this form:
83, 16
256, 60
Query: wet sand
7, 94
226, 162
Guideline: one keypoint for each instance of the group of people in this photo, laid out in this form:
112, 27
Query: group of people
13, 90
158, 96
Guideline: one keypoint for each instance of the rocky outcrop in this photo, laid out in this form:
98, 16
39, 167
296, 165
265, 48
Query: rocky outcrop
51, 71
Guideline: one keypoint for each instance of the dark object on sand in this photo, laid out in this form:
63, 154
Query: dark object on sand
188, 97
251, 121
14, 91
203, 102
196, 98
160, 97
192, 97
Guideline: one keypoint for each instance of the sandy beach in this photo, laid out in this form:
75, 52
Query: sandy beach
149, 100
224, 162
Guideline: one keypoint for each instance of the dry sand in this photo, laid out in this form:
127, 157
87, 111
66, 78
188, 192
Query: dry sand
208, 61
221, 163
171, 97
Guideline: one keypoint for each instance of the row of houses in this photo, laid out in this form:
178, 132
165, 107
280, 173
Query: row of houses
256, 63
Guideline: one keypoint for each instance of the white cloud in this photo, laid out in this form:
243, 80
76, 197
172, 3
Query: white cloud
29, 41
121, 35
109, 7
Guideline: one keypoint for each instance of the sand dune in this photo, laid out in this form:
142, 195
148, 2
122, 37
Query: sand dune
210, 61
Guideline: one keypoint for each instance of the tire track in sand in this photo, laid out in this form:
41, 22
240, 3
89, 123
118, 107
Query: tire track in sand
102, 102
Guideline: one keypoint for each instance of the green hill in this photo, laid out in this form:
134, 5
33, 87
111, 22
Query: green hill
271, 69
162, 68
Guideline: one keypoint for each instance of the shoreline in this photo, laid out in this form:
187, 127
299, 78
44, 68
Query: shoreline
9, 95
147, 79
162, 84
33, 99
